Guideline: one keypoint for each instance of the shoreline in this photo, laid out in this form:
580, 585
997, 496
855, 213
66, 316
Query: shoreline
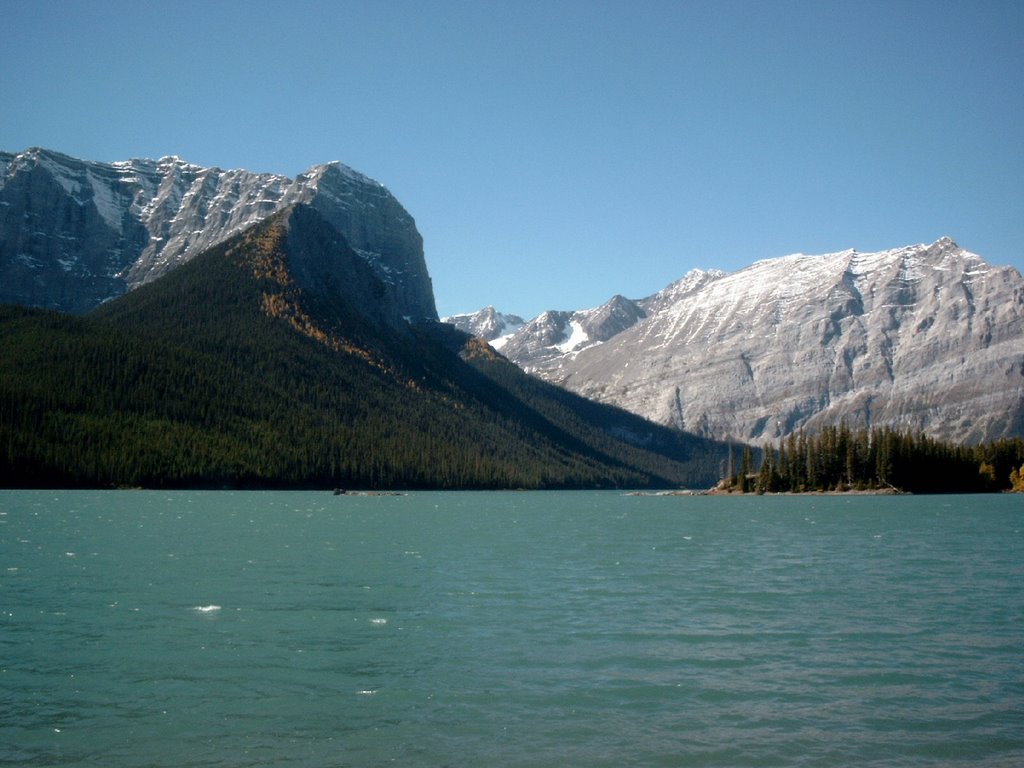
725, 492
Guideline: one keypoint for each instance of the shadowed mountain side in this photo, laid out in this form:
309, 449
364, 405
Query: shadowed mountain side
278, 359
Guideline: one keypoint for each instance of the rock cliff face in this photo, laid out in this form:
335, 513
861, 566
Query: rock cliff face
319, 265
75, 233
925, 337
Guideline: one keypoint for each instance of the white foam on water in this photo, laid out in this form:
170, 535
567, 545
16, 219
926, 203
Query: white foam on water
378, 621
206, 608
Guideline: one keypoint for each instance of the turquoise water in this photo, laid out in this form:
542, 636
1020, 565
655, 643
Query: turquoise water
510, 629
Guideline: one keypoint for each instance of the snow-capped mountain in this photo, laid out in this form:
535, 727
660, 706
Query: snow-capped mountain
553, 336
488, 324
75, 233
927, 337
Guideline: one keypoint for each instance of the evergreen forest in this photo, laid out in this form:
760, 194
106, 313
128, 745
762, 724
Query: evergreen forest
840, 459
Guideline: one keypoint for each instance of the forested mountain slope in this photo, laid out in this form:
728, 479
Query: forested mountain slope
280, 359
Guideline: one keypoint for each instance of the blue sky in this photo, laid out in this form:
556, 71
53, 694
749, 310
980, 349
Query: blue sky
556, 153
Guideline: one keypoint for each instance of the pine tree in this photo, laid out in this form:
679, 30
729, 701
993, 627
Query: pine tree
767, 476
1017, 480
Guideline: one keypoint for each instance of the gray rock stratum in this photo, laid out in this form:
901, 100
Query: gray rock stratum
926, 337
75, 233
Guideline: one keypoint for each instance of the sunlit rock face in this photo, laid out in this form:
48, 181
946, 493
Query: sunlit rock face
75, 233
927, 337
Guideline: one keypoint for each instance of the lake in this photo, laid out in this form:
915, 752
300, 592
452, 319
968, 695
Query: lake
142, 628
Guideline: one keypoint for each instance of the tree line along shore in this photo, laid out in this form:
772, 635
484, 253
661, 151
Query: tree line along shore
880, 460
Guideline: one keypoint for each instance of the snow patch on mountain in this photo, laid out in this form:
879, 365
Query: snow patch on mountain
494, 327
577, 339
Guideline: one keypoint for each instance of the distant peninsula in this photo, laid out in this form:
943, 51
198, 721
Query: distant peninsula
878, 461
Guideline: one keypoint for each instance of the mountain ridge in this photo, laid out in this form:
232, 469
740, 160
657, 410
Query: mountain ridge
927, 337
75, 233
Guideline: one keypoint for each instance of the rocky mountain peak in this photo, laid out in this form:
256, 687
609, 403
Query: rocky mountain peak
610, 319
487, 324
337, 170
551, 335
75, 233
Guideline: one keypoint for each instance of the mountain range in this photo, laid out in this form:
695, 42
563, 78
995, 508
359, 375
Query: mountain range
923, 338
278, 356
164, 324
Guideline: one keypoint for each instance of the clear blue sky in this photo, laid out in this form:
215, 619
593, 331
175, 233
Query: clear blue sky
554, 153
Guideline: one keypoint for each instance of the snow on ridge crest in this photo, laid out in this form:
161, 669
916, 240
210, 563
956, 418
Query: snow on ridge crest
316, 172
927, 335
